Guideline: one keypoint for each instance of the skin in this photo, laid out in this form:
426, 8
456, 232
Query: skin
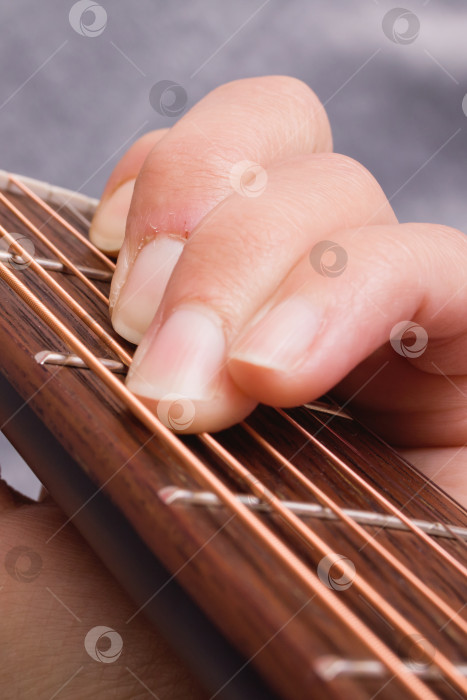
241, 257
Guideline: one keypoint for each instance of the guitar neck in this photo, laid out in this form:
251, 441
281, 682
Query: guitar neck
329, 563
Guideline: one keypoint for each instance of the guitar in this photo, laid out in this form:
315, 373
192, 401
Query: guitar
295, 555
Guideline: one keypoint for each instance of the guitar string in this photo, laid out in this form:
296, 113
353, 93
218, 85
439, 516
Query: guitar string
310, 537
323, 498
67, 298
75, 232
45, 240
66, 224
441, 601
120, 351
388, 506
114, 345
303, 574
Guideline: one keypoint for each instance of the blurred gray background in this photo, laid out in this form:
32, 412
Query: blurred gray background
70, 104
74, 92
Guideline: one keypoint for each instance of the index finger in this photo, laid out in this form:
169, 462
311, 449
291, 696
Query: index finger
235, 132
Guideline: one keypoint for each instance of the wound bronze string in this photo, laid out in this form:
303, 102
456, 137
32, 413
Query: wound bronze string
53, 248
53, 214
255, 525
325, 500
377, 495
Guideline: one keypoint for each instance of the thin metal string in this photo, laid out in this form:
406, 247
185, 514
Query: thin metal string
66, 224
123, 351
374, 492
306, 578
61, 256
310, 537
399, 566
67, 298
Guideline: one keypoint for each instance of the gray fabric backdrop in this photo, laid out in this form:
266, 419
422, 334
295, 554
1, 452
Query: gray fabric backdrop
393, 84
70, 104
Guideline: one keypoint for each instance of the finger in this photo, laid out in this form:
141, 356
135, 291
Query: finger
320, 329
236, 132
231, 266
54, 587
446, 466
7, 500
108, 225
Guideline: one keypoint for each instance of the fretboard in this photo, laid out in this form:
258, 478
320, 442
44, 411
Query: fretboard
333, 566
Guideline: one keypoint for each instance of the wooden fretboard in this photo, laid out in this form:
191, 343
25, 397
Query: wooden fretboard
331, 564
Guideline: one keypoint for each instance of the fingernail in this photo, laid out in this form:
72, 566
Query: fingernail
108, 226
281, 338
185, 357
141, 293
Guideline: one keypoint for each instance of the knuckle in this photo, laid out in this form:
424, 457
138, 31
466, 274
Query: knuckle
351, 169
355, 181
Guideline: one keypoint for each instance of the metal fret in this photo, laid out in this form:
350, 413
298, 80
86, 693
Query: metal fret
49, 357
56, 266
379, 496
172, 495
323, 407
242, 505
284, 556
332, 667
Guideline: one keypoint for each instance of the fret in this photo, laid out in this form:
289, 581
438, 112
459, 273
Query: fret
332, 667
82, 314
64, 259
55, 266
377, 495
173, 495
303, 576
34, 191
205, 471
325, 407
49, 357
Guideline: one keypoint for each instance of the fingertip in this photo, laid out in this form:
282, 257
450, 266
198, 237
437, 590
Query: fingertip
107, 230
271, 386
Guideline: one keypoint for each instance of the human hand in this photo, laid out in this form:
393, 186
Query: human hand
52, 593
227, 277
